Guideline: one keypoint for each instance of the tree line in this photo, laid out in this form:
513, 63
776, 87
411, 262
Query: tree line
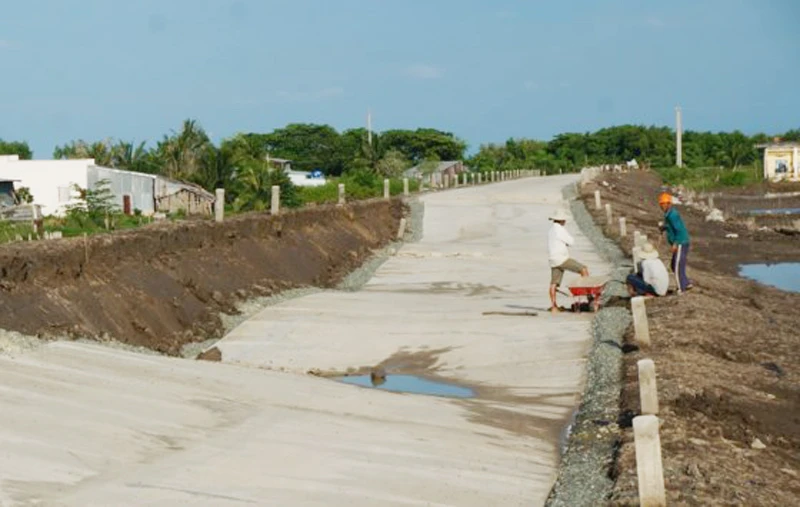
650, 145
239, 163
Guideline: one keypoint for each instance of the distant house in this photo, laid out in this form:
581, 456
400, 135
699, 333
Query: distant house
436, 172
781, 160
298, 178
173, 196
52, 182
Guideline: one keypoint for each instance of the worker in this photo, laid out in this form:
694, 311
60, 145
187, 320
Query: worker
558, 243
678, 239
651, 277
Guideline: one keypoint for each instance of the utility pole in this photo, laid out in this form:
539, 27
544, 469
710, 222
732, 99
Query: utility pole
678, 138
369, 127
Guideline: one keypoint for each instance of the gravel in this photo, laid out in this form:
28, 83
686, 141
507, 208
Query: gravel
584, 471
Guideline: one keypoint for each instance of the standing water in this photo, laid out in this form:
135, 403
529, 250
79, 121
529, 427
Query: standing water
410, 384
783, 275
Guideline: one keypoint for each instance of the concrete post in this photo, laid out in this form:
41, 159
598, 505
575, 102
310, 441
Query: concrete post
275, 207
341, 194
711, 201
609, 216
640, 327
648, 393
386, 192
219, 205
623, 230
597, 202
636, 238
493, 175
433, 181
455, 181
649, 470
480, 178
401, 230
405, 186
636, 253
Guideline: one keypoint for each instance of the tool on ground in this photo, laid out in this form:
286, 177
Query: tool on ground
518, 314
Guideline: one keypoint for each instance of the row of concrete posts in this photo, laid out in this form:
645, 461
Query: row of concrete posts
649, 467
448, 181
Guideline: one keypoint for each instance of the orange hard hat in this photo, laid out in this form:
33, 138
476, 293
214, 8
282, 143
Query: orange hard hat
664, 198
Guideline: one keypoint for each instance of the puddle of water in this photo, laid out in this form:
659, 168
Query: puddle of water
775, 211
410, 384
783, 275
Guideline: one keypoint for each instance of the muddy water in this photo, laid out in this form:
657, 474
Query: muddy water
784, 275
410, 384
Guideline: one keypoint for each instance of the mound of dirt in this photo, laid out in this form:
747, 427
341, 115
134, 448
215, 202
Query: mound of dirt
164, 285
726, 356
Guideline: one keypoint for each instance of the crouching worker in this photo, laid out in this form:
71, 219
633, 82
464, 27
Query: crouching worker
558, 243
651, 277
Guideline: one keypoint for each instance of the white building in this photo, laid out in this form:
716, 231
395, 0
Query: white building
51, 183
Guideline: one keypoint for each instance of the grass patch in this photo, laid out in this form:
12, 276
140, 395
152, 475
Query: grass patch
709, 178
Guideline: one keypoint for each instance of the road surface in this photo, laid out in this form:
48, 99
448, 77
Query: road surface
89, 425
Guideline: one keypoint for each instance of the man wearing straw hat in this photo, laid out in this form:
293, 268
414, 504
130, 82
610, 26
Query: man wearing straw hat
558, 243
651, 277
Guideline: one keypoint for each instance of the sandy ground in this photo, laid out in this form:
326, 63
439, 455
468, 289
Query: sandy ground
89, 425
726, 357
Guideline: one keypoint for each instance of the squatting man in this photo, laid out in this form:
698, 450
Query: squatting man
558, 243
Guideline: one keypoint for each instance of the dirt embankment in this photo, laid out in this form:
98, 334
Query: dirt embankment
726, 355
164, 285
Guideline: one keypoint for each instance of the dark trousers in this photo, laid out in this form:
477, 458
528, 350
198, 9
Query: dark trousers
678, 266
641, 287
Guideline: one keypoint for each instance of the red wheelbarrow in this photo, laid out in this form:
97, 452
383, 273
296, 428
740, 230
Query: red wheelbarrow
590, 288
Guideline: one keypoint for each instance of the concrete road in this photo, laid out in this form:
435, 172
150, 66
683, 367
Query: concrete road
88, 425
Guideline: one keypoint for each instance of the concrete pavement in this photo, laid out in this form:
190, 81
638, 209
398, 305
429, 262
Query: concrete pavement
88, 425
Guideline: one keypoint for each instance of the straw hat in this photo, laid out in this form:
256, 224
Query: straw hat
649, 252
558, 216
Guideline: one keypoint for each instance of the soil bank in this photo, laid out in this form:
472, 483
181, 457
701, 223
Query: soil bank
165, 285
726, 354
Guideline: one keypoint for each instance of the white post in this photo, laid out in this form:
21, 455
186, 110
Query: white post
640, 327
636, 238
480, 178
648, 393
275, 207
405, 186
636, 254
711, 201
386, 193
649, 470
597, 203
455, 181
609, 216
219, 205
341, 194
623, 231
433, 181
401, 230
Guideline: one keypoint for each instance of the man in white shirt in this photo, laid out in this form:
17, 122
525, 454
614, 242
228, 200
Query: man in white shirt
651, 277
558, 243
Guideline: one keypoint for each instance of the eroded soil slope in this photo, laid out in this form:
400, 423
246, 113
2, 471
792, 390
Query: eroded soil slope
164, 285
726, 355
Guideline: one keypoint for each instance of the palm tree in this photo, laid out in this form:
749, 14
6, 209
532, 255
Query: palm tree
182, 153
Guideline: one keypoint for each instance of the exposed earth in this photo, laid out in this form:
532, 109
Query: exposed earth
164, 285
726, 356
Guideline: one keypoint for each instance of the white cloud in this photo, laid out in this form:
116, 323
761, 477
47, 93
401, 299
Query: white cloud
424, 71
310, 96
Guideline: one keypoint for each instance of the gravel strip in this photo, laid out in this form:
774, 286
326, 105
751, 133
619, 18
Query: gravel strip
584, 471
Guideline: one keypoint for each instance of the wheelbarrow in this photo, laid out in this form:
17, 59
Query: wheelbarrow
589, 288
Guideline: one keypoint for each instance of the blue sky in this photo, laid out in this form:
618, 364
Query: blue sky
485, 70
